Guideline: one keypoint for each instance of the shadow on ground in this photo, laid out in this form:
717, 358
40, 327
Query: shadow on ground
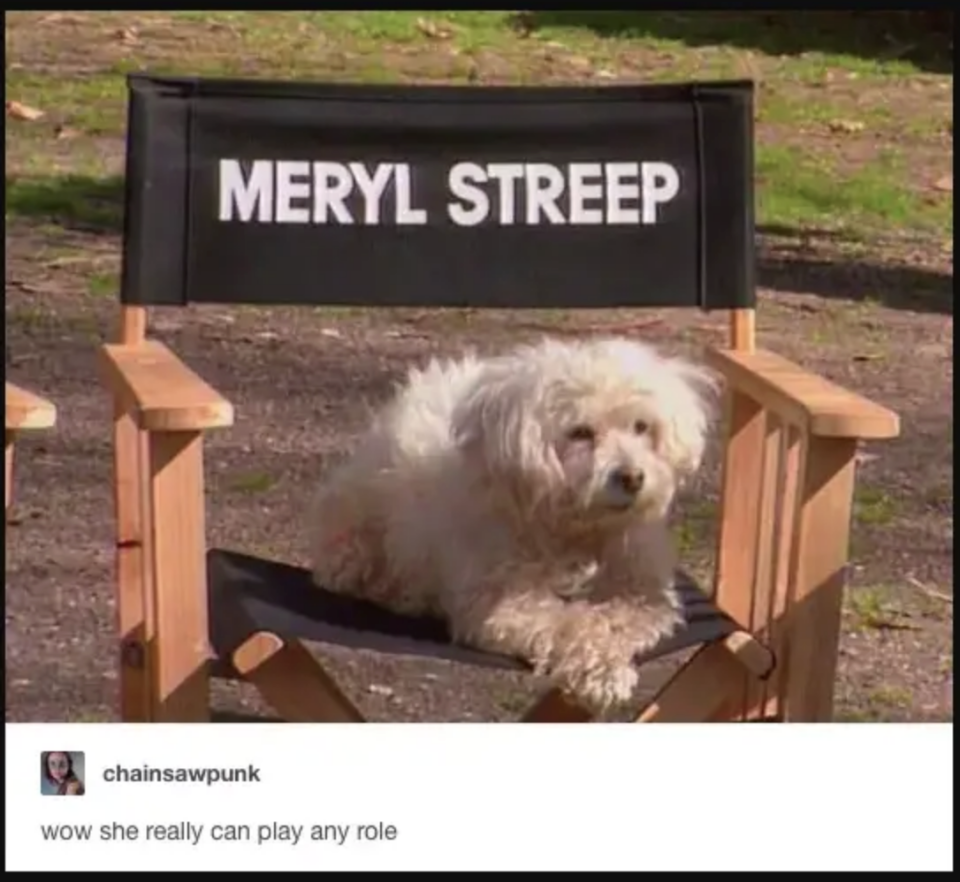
924, 38
802, 267
897, 287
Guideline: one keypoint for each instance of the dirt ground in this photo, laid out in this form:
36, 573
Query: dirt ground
877, 317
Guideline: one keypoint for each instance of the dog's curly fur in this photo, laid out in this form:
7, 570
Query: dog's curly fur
523, 498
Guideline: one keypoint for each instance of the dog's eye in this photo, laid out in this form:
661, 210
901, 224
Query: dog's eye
582, 433
640, 427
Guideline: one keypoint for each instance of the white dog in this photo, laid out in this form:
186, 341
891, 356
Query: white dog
523, 498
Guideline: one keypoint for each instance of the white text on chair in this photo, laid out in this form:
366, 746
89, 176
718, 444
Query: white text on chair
498, 193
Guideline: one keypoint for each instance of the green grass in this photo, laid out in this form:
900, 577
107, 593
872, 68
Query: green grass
873, 506
696, 526
892, 697
882, 703
872, 608
785, 109
796, 188
853, 715
90, 717
68, 201
103, 284
466, 29
251, 482
95, 103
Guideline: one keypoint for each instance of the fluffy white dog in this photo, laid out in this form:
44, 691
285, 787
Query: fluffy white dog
523, 498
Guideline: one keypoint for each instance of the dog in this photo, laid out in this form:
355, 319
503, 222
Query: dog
523, 498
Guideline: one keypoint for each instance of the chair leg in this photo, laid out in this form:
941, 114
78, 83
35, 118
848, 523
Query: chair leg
8, 469
699, 691
132, 570
810, 633
293, 681
180, 652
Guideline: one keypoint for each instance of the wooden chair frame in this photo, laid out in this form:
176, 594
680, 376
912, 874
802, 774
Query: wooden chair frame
786, 509
25, 412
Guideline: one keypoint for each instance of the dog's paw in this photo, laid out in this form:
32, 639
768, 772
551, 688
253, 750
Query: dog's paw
599, 675
599, 687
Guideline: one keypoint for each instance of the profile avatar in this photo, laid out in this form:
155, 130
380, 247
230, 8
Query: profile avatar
59, 774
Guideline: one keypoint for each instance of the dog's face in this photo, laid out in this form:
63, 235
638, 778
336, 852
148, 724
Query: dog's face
595, 429
615, 460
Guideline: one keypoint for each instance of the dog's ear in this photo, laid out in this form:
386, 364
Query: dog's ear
688, 408
495, 425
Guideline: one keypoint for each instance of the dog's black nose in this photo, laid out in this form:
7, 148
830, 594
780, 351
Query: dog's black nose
629, 482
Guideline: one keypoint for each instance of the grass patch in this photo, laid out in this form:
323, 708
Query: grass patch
95, 103
931, 126
881, 704
103, 284
857, 715
90, 717
781, 109
686, 537
77, 201
873, 506
466, 29
890, 697
513, 703
251, 482
796, 188
871, 608
696, 527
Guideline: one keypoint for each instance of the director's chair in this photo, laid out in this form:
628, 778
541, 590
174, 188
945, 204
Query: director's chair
229, 191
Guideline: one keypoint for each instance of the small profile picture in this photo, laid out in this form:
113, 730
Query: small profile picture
61, 773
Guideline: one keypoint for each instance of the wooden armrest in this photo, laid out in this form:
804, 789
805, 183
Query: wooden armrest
28, 411
160, 391
810, 402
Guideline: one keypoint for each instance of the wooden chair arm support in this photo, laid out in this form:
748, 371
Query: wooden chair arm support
160, 392
751, 653
28, 411
810, 402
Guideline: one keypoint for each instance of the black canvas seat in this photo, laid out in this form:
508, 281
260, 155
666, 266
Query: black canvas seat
250, 595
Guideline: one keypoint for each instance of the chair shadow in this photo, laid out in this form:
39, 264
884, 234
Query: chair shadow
897, 286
